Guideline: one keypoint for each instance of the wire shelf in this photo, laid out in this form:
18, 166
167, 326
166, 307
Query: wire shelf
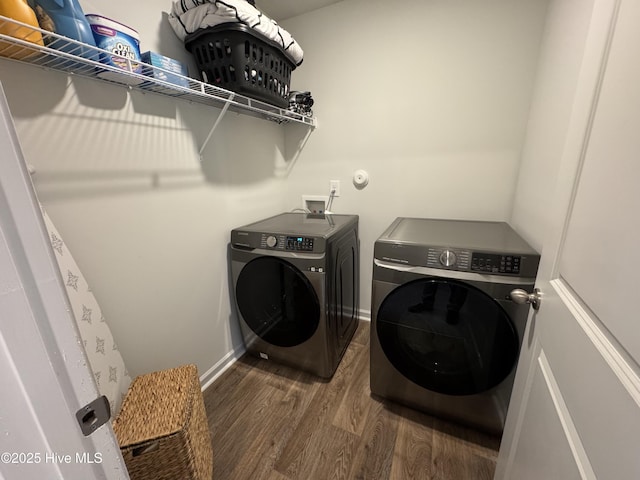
24, 43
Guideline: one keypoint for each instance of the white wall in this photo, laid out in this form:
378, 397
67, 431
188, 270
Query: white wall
147, 222
557, 74
431, 98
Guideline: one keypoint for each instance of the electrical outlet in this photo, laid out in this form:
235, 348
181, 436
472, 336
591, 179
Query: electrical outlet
335, 185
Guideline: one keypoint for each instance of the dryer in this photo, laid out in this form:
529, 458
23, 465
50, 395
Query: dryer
296, 288
445, 335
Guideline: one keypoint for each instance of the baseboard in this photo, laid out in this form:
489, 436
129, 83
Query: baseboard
230, 358
221, 366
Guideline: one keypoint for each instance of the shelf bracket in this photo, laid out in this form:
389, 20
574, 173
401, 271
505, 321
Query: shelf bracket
216, 123
285, 170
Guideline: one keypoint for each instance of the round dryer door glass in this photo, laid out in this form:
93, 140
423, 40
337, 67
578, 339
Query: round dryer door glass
447, 336
277, 301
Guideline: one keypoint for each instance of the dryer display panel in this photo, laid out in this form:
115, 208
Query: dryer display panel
447, 336
277, 301
489, 262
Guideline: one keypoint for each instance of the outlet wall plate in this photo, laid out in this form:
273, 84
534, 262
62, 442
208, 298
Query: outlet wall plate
312, 200
335, 185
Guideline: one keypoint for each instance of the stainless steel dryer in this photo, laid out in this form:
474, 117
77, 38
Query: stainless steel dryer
445, 335
296, 288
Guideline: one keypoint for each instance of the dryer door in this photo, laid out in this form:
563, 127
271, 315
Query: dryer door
447, 336
277, 301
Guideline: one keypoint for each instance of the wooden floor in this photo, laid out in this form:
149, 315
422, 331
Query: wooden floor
273, 422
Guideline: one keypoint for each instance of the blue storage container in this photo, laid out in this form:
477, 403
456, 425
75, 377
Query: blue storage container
65, 17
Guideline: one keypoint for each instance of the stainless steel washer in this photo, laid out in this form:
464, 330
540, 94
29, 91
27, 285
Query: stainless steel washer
445, 335
296, 288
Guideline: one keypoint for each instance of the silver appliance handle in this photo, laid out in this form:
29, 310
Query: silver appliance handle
471, 276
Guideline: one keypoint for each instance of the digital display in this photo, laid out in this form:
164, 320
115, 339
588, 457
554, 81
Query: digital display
300, 243
486, 262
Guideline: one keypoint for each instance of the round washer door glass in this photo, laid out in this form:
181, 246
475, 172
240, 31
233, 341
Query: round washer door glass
447, 336
277, 301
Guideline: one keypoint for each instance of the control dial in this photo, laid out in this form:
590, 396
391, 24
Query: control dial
271, 241
448, 258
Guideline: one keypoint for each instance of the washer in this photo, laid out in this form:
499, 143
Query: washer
296, 288
445, 335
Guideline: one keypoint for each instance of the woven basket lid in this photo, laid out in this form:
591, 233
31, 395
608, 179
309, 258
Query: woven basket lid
157, 405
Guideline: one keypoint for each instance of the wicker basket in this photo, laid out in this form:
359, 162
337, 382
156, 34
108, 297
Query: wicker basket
162, 427
238, 58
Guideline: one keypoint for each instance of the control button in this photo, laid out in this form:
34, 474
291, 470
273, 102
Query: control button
271, 241
448, 258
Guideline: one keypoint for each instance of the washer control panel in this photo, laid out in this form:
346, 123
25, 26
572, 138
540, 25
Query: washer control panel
490, 262
271, 241
293, 243
304, 244
275, 242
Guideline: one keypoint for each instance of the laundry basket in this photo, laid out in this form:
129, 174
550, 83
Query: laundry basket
162, 427
238, 58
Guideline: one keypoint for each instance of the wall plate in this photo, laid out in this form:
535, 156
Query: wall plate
314, 203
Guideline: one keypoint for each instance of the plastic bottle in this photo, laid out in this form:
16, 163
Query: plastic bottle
18, 10
65, 17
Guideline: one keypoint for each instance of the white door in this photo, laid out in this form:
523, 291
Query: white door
44, 378
575, 411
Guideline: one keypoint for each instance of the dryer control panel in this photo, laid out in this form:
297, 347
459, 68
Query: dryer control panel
476, 247
458, 259
454, 259
490, 262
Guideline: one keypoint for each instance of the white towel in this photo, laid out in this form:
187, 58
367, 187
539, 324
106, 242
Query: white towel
187, 16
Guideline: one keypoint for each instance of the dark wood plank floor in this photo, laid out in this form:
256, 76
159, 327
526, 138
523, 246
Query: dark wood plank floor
276, 423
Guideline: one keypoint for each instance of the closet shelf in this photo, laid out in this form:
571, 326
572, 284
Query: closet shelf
76, 58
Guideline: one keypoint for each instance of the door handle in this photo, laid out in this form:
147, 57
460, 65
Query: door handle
521, 297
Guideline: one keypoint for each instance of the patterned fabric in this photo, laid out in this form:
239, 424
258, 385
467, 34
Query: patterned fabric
188, 16
112, 378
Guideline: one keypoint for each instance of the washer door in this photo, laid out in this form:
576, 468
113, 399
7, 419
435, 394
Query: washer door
277, 301
447, 336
